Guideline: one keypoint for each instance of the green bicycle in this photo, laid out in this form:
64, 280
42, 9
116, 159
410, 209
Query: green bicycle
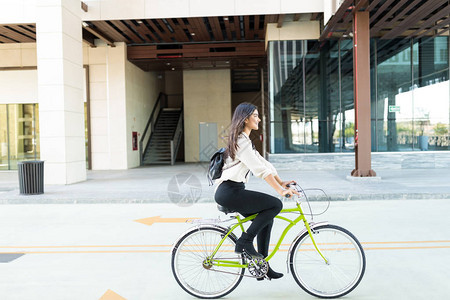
326, 261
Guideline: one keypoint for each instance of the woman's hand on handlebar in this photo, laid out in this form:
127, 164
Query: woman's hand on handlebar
285, 184
288, 193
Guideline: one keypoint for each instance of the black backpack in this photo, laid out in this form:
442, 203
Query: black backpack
216, 165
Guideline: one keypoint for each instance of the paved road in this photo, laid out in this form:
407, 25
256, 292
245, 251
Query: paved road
99, 251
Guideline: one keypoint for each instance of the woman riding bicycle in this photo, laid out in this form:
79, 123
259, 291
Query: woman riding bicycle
241, 158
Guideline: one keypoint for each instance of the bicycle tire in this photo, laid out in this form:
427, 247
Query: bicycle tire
346, 260
187, 263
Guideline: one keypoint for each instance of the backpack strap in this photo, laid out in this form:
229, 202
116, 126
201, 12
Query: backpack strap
229, 167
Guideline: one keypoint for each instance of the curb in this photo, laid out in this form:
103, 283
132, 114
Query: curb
24, 199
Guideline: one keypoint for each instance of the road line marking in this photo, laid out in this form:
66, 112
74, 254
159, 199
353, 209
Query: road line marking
406, 242
82, 252
168, 251
89, 246
163, 246
406, 248
158, 219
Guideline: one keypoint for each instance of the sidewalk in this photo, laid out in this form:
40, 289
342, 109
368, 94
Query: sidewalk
186, 183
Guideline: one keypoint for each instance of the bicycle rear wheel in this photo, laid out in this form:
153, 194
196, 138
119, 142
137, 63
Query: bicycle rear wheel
345, 267
193, 272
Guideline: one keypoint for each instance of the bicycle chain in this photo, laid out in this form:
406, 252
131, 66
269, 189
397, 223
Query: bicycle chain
257, 266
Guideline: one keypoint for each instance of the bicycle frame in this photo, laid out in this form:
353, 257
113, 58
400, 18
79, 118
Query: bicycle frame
240, 222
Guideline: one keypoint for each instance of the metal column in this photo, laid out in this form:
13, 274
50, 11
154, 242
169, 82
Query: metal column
361, 77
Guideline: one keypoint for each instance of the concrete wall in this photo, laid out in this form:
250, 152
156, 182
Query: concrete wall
142, 89
24, 11
121, 97
96, 58
302, 30
207, 98
18, 55
173, 88
18, 86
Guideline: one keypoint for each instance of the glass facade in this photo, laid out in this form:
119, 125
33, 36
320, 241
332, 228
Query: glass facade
311, 95
19, 134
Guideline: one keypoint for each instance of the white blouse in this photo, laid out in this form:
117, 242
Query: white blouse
246, 159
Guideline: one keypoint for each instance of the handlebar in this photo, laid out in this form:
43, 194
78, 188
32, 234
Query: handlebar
304, 197
298, 189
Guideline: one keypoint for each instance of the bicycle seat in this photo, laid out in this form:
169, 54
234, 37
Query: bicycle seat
225, 210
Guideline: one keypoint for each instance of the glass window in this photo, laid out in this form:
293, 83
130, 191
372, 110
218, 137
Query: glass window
312, 101
394, 96
19, 134
347, 115
286, 100
431, 95
4, 165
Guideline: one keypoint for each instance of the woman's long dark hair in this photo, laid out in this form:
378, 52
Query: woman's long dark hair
241, 113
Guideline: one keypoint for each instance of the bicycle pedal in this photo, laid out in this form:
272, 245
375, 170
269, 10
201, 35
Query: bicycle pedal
258, 268
247, 256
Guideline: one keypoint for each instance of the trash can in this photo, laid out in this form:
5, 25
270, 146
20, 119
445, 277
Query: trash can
31, 177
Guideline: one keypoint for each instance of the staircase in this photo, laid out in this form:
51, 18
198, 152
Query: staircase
158, 148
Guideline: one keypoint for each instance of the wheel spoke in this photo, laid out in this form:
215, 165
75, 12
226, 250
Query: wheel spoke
346, 262
188, 260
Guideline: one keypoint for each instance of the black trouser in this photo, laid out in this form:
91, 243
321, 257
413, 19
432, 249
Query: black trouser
233, 195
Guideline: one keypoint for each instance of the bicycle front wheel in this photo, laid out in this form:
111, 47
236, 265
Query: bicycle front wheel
339, 274
194, 270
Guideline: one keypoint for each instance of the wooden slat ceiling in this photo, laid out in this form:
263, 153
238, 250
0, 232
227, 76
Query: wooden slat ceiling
23, 33
203, 42
186, 30
390, 19
156, 31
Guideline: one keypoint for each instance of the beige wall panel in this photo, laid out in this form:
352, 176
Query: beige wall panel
207, 98
116, 92
301, 30
18, 55
173, 87
18, 86
142, 89
98, 87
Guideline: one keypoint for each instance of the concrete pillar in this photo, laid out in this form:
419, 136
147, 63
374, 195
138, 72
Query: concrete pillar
60, 90
117, 110
361, 77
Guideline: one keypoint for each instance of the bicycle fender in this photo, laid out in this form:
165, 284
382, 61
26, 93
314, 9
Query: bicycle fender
312, 225
198, 227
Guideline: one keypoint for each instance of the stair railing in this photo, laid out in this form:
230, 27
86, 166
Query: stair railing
176, 139
161, 103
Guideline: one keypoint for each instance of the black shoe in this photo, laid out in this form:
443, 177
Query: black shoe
271, 274
245, 243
